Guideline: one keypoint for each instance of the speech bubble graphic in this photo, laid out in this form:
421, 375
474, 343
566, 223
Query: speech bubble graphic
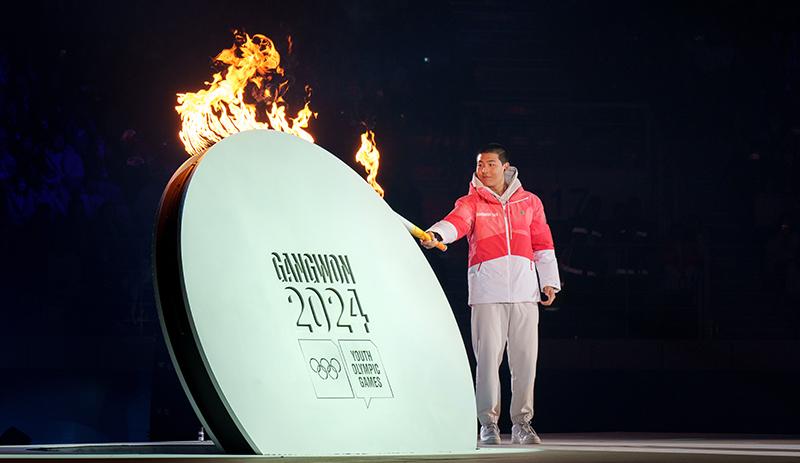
366, 370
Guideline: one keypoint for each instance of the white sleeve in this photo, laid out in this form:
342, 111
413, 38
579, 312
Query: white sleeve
547, 268
446, 230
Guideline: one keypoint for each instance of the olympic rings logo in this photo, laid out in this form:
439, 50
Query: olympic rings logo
326, 368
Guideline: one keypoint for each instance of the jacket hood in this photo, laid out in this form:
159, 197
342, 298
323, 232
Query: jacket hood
511, 179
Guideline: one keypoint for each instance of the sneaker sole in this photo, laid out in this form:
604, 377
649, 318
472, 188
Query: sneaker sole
534, 442
495, 441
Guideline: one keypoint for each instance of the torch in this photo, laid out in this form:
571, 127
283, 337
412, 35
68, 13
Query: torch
369, 156
419, 233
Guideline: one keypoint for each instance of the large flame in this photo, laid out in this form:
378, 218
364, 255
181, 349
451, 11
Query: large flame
369, 156
253, 70
213, 113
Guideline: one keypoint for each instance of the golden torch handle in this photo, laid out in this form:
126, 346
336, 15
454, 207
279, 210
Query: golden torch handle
420, 233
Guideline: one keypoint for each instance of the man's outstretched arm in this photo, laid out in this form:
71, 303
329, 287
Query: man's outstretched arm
454, 226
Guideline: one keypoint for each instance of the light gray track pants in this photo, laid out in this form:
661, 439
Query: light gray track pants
494, 326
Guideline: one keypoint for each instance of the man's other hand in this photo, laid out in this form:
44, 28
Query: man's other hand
429, 244
550, 292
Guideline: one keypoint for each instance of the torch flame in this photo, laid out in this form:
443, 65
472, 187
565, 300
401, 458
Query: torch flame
369, 156
213, 113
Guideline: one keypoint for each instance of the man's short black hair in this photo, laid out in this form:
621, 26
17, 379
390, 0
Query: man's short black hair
496, 148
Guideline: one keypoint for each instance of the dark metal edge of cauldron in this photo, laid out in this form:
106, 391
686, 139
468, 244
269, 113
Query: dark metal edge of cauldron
173, 314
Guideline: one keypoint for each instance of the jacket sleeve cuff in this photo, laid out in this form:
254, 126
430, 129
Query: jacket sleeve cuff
446, 230
547, 268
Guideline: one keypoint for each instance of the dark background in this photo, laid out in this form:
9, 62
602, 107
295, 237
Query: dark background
663, 138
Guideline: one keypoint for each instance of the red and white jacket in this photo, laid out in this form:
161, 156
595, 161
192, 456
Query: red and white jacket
509, 242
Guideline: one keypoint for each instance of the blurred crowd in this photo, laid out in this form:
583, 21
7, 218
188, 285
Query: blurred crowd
76, 204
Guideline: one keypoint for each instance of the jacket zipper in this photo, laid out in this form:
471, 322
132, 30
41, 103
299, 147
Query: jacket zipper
508, 250
508, 222
508, 234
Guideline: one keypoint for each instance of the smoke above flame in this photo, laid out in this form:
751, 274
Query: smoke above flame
253, 70
369, 157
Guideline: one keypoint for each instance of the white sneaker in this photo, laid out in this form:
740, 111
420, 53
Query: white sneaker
490, 434
523, 433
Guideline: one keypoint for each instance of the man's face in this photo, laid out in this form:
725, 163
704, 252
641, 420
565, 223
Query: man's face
490, 170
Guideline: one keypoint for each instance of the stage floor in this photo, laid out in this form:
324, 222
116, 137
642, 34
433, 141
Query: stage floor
557, 448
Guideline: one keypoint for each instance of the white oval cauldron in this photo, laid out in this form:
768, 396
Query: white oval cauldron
301, 316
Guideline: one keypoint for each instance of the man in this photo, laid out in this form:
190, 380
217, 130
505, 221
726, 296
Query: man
509, 243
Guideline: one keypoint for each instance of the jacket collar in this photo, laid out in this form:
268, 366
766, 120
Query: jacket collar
511, 179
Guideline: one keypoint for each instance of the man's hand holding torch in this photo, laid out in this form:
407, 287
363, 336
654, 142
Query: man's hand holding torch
434, 240
423, 236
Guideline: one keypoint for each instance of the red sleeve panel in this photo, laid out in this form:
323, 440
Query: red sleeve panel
462, 217
541, 238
